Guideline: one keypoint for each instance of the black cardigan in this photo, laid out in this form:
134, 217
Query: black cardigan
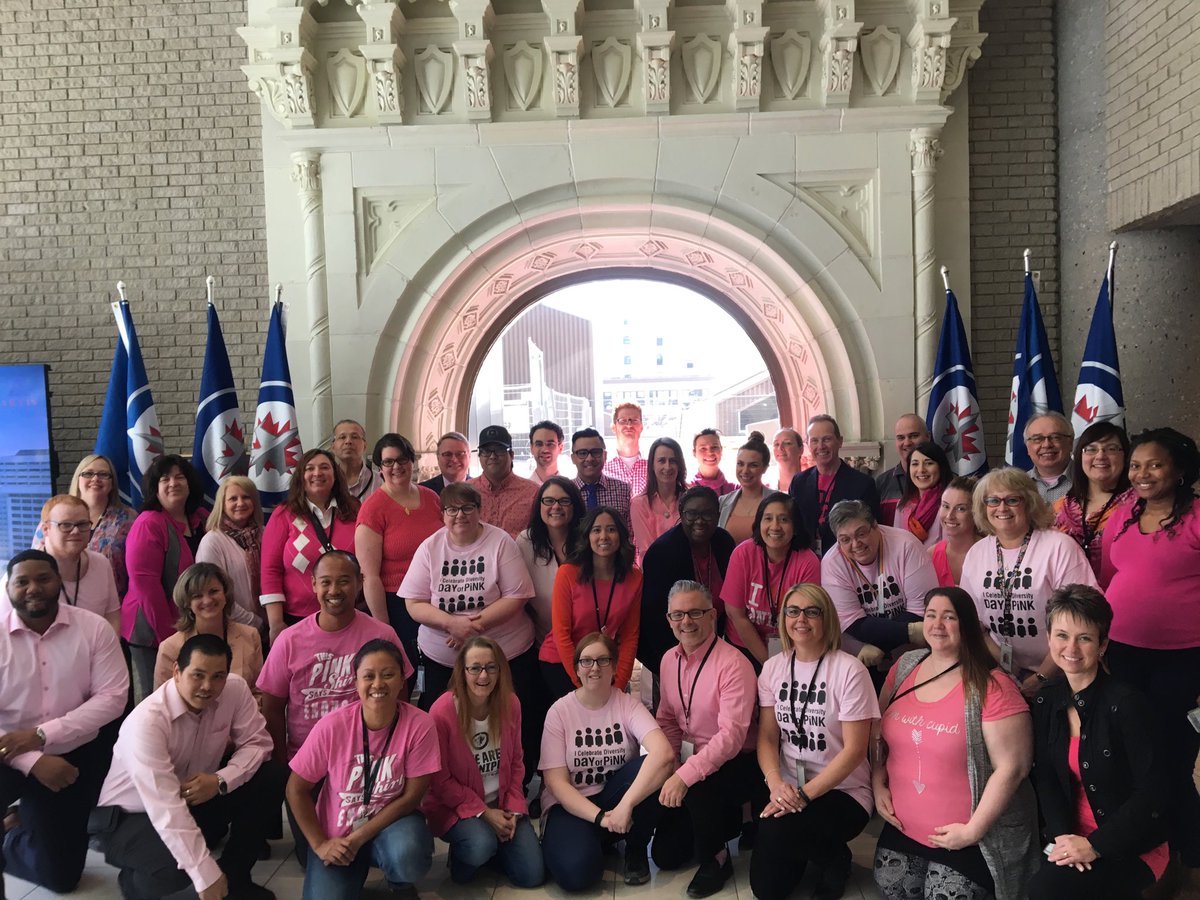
668, 560
1119, 765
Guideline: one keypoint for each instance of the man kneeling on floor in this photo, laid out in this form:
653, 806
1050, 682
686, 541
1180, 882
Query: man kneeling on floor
169, 796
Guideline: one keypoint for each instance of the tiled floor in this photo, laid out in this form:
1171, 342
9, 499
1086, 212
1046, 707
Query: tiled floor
283, 875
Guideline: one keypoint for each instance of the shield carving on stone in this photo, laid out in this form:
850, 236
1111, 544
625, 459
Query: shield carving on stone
435, 77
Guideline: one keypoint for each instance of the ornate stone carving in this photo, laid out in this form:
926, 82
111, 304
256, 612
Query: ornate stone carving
566, 80
959, 58
306, 172
435, 77
478, 86
346, 74
791, 54
384, 60
839, 69
747, 47
929, 40
286, 90
381, 222
880, 51
611, 65
701, 67
523, 74
849, 205
926, 149
655, 48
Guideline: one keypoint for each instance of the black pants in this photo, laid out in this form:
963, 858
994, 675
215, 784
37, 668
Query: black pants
50, 845
711, 813
555, 681
1108, 879
818, 834
1170, 679
404, 625
148, 870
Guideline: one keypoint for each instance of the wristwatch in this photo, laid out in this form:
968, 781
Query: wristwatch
222, 787
41, 735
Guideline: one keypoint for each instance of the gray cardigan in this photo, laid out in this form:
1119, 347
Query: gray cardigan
1010, 846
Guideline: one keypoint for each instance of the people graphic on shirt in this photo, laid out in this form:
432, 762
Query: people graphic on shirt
886, 594
462, 585
1002, 619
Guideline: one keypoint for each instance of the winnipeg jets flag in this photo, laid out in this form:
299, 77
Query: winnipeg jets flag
954, 416
276, 448
219, 448
1098, 395
1034, 384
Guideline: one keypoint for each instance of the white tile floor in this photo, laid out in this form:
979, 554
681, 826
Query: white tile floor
284, 876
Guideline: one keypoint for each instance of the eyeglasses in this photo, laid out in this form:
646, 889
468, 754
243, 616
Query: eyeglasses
103, 476
393, 461
1038, 439
68, 527
491, 453
543, 445
586, 662
589, 452
453, 454
549, 502
477, 669
1096, 449
679, 615
465, 510
699, 515
809, 612
629, 421
1010, 501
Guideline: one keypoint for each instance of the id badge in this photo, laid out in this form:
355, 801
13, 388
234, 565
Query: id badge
801, 775
687, 750
360, 822
1006, 657
418, 685
774, 646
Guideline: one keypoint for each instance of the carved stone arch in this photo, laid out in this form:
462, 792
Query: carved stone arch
817, 356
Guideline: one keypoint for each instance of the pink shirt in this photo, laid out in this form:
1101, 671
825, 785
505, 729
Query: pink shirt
464, 581
591, 744
651, 520
334, 751
312, 669
842, 692
290, 549
542, 573
1051, 561
941, 564
402, 530
720, 483
70, 681
897, 582
507, 506
629, 469
163, 743
927, 752
1155, 580
743, 587
719, 700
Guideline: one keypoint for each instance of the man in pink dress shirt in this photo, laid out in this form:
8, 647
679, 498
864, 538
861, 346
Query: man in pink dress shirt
168, 796
62, 679
708, 693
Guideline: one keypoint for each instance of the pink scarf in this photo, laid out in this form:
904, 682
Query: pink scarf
921, 519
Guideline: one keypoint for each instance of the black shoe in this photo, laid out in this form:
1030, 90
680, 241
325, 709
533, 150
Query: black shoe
832, 877
749, 835
637, 866
710, 877
402, 891
248, 890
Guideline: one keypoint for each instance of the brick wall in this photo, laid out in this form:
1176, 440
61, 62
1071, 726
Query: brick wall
129, 150
1153, 110
1014, 190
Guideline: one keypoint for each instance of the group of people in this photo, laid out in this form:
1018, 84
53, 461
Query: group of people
394, 661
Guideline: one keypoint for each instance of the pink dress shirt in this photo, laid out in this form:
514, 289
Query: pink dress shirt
631, 470
70, 681
508, 506
163, 744
651, 520
720, 709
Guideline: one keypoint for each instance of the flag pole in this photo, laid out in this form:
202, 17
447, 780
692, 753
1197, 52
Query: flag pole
1112, 261
946, 276
1028, 261
209, 282
121, 291
278, 292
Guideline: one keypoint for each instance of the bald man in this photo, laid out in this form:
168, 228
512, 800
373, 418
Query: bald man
910, 430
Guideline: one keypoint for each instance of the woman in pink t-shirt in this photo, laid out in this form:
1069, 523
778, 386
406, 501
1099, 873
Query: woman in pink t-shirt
654, 512
1152, 552
952, 758
816, 706
376, 758
959, 532
761, 570
928, 474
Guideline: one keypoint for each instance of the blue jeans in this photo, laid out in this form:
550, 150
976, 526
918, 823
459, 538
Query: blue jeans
404, 850
473, 843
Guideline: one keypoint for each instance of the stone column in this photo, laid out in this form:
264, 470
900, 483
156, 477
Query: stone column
925, 149
306, 172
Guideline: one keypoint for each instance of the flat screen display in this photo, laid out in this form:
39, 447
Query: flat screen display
26, 471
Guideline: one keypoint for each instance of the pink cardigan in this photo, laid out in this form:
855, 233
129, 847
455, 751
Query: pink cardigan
287, 569
457, 789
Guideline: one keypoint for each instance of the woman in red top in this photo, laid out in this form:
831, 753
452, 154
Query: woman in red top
959, 532
598, 589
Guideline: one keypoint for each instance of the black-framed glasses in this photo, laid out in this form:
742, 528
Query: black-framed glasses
589, 452
602, 662
1010, 501
679, 615
549, 502
103, 476
1056, 438
477, 669
393, 461
699, 515
68, 527
809, 612
491, 452
465, 510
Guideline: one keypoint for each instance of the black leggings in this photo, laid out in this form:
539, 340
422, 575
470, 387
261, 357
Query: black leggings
1108, 879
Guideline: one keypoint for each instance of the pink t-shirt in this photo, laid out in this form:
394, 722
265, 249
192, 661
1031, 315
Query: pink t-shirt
841, 692
312, 669
1155, 579
744, 587
464, 581
927, 751
400, 529
334, 751
1051, 561
897, 582
941, 564
592, 743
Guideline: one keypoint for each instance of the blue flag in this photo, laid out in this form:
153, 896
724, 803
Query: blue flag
129, 434
1098, 395
1034, 384
276, 447
219, 448
954, 418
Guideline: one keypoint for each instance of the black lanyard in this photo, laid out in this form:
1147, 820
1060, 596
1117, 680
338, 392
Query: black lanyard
687, 705
74, 601
798, 724
921, 684
1006, 581
371, 774
771, 602
824, 499
612, 588
1089, 534
322, 535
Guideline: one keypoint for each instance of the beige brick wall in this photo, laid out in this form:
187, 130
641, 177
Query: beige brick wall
129, 149
1152, 110
1014, 193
